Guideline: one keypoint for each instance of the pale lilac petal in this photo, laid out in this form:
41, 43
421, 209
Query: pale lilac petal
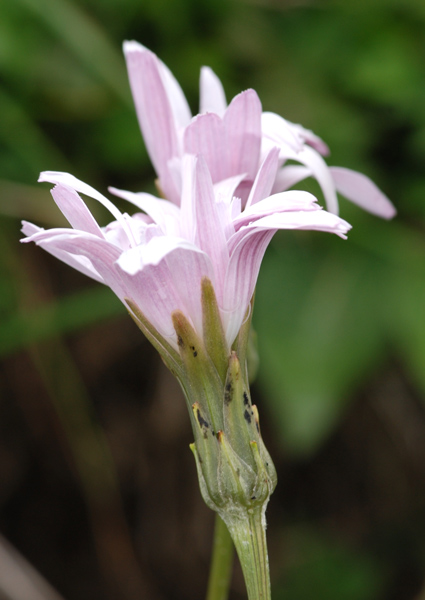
226, 214
212, 96
225, 190
188, 225
154, 111
162, 212
178, 102
152, 290
320, 171
247, 248
289, 176
40, 234
165, 275
206, 135
236, 208
243, 190
79, 263
29, 229
114, 234
75, 210
209, 235
280, 132
227, 204
152, 253
362, 191
188, 267
101, 254
175, 173
242, 121
140, 225
312, 139
315, 166
319, 220
263, 183
99, 251
293, 200
318, 168
241, 278
59, 242
72, 182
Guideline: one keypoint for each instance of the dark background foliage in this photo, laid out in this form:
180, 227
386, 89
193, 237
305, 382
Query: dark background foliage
98, 488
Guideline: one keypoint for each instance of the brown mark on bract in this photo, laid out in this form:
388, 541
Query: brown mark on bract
228, 395
203, 424
247, 417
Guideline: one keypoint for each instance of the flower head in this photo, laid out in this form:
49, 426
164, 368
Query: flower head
234, 139
157, 259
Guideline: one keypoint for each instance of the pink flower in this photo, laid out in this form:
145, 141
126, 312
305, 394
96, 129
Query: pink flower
157, 258
233, 139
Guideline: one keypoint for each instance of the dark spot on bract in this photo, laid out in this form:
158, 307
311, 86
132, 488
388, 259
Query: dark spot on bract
247, 417
195, 354
202, 422
180, 341
253, 497
228, 396
245, 399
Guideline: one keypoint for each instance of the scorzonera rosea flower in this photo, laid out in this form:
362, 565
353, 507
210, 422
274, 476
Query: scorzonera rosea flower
186, 265
233, 139
158, 258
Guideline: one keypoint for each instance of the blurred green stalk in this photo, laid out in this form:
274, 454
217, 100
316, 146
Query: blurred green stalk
221, 562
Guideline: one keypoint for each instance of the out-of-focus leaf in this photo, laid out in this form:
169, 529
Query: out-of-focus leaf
29, 202
85, 38
403, 299
34, 203
319, 567
24, 139
318, 337
62, 316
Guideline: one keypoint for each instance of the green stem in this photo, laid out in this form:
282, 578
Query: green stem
249, 537
221, 562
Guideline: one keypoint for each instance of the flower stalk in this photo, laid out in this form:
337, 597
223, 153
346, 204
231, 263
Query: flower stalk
221, 562
249, 537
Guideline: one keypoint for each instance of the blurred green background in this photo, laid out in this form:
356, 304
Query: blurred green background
97, 486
